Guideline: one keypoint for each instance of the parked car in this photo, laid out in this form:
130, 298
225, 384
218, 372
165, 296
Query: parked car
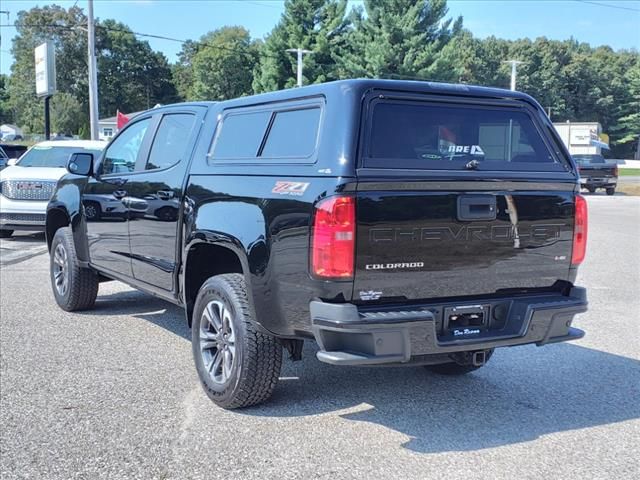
27, 186
13, 150
596, 172
392, 222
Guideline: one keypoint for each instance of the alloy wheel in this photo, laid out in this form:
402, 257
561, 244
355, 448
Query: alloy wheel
217, 341
60, 269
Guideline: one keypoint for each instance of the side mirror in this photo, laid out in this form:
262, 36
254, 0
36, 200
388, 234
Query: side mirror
80, 164
11, 162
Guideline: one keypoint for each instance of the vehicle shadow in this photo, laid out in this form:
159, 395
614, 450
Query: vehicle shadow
522, 394
26, 237
146, 307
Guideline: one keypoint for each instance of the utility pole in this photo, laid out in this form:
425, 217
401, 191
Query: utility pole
93, 74
300, 52
514, 64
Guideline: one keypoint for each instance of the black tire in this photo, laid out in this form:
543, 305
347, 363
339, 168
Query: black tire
81, 283
6, 233
591, 189
611, 191
92, 211
256, 358
454, 368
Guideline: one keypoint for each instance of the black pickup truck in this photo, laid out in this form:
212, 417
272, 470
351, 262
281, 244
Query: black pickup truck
596, 172
393, 222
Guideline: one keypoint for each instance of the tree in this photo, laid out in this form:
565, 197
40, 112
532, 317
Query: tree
66, 114
221, 67
182, 70
6, 115
61, 27
317, 25
626, 132
131, 76
402, 39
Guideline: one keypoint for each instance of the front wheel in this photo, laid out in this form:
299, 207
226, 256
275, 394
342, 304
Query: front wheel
74, 287
611, 191
591, 189
238, 365
455, 368
92, 211
6, 233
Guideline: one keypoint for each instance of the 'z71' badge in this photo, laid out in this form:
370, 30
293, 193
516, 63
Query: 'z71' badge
295, 189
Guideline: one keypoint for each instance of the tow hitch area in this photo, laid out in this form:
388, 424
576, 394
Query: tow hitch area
466, 320
477, 358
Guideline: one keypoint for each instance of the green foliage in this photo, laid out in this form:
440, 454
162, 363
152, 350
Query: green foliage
132, 76
6, 115
382, 38
60, 26
222, 65
317, 25
66, 114
402, 39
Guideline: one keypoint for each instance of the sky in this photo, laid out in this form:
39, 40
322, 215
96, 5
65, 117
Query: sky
598, 22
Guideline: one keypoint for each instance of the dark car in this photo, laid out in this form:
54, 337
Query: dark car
391, 222
13, 151
596, 172
4, 158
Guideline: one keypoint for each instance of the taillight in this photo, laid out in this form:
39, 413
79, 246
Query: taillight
580, 231
334, 232
615, 170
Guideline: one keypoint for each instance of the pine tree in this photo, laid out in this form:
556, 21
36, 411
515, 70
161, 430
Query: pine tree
317, 25
402, 39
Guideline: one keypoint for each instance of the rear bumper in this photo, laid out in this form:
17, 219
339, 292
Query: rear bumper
599, 182
348, 335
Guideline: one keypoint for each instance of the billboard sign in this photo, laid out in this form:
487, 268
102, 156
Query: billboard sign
45, 70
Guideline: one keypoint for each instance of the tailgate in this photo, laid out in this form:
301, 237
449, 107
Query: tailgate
432, 244
460, 197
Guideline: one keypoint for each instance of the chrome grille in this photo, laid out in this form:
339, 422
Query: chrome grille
22, 217
28, 189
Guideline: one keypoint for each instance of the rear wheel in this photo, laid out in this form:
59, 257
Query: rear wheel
74, 287
238, 365
591, 189
6, 233
455, 368
611, 191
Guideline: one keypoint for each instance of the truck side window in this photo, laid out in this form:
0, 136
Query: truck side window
171, 140
293, 133
240, 135
122, 154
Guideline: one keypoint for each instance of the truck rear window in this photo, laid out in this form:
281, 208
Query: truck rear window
418, 135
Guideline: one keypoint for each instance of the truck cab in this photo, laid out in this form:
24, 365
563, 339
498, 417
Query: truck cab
391, 222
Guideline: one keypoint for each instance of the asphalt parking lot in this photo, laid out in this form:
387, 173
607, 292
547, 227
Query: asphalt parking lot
112, 393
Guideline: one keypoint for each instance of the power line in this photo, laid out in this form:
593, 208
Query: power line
139, 34
619, 7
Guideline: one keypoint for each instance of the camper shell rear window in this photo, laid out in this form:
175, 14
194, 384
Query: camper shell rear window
429, 135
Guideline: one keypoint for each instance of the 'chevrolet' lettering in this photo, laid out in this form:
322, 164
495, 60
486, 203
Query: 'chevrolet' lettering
466, 233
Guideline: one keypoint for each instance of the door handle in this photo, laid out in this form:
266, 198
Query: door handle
119, 194
477, 207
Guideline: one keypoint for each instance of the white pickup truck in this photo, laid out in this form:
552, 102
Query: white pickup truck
27, 185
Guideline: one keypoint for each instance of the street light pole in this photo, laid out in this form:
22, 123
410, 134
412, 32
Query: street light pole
93, 74
514, 64
300, 52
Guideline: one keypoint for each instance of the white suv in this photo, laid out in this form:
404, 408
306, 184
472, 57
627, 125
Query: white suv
27, 186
